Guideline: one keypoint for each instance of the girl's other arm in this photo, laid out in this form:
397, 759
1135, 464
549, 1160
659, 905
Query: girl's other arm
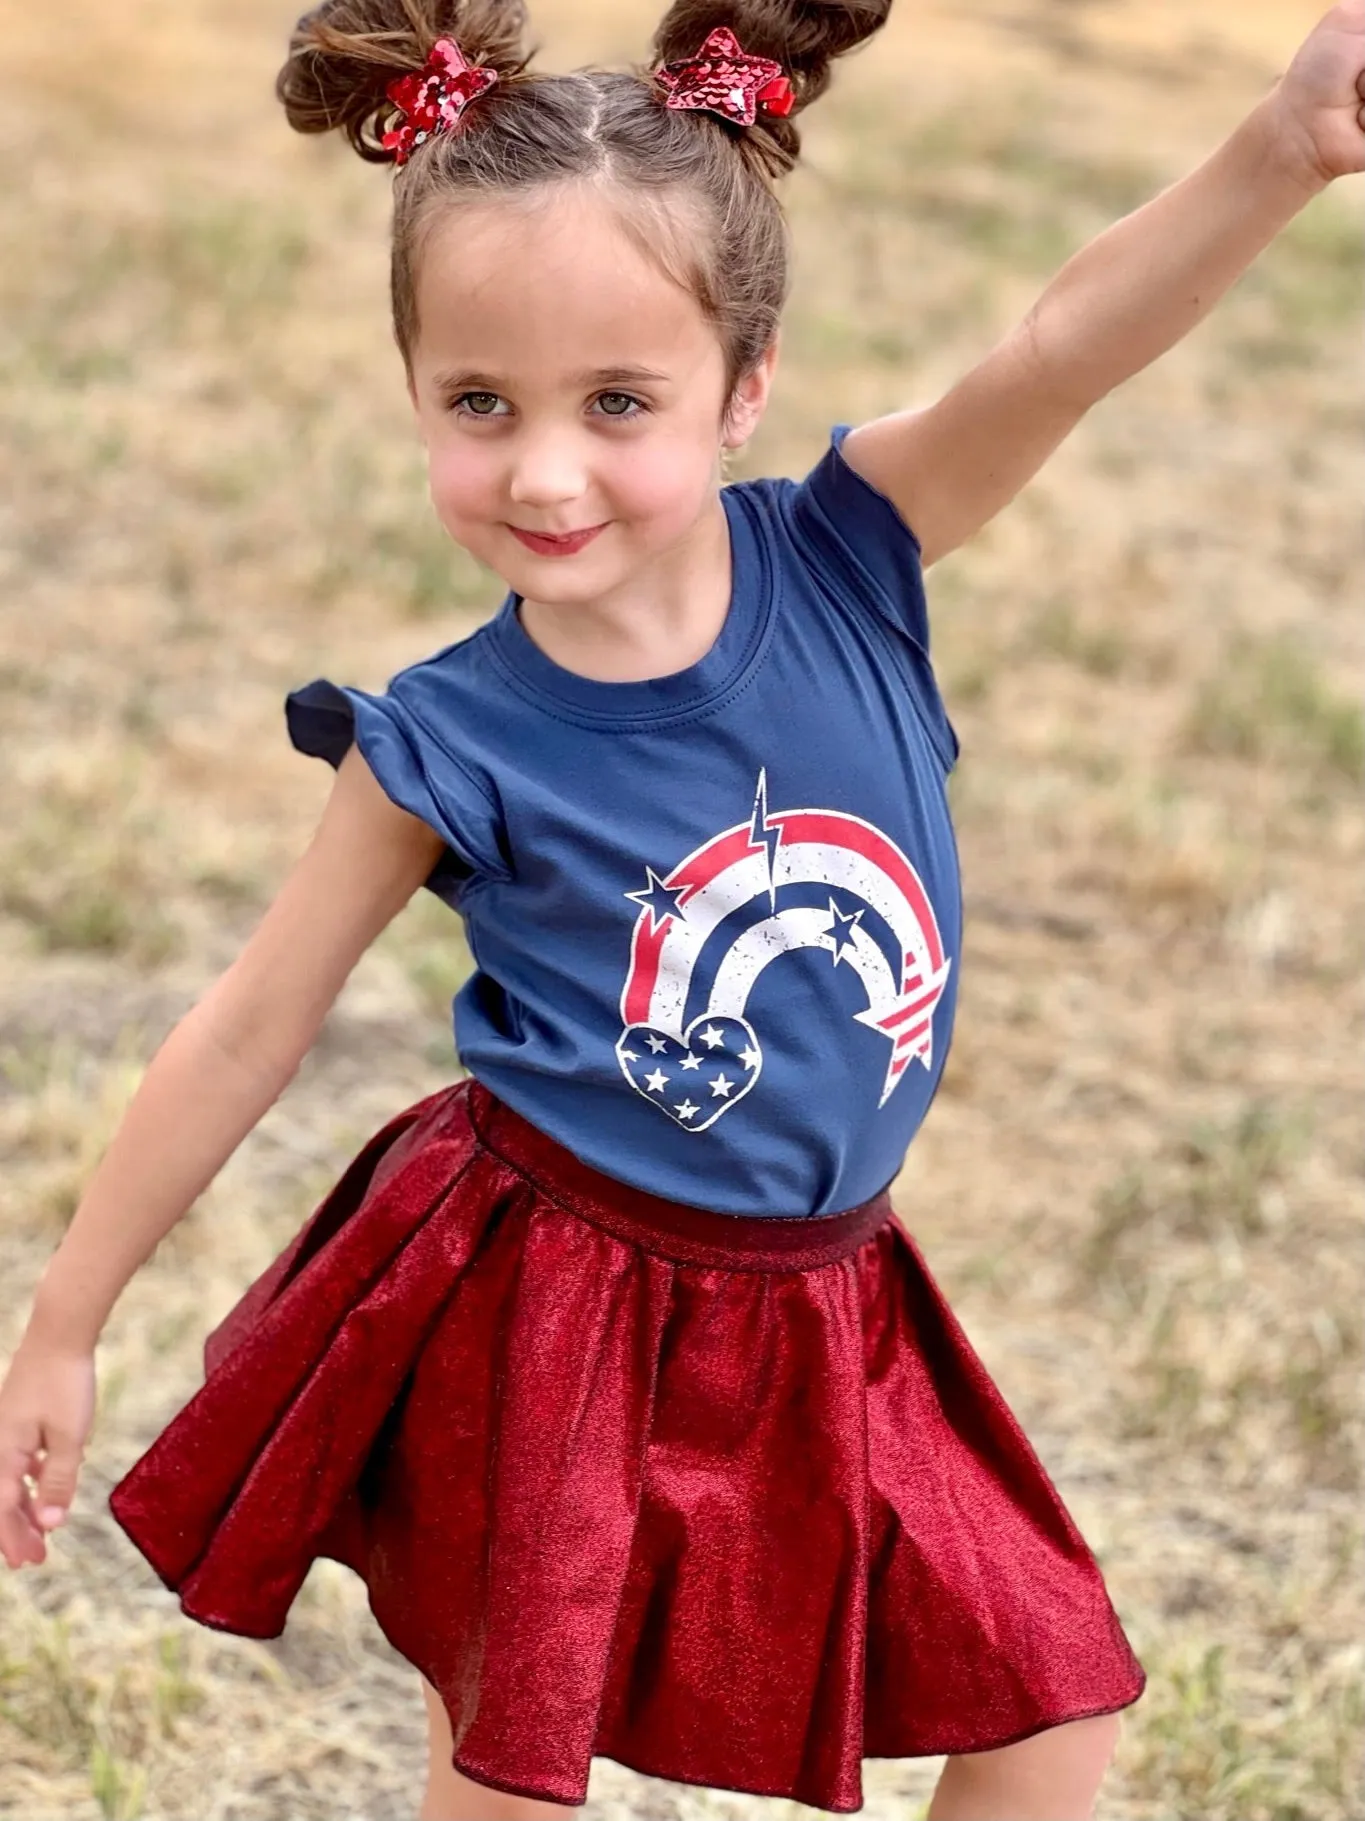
232, 1055
1123, 300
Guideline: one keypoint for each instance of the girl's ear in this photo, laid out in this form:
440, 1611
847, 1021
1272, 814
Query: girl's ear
750, 398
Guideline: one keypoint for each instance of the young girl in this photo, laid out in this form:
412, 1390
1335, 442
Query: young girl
609, 1367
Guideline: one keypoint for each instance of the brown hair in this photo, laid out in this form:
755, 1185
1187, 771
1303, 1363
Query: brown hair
694, 190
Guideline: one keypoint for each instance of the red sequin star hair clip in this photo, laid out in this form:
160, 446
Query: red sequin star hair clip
722, 79
434, 97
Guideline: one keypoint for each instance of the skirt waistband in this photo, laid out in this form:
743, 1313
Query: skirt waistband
671, 1229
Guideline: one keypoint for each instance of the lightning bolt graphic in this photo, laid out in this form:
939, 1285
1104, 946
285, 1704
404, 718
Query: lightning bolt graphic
760, 835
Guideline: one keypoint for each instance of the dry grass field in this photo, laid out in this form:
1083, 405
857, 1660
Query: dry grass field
1141, 1183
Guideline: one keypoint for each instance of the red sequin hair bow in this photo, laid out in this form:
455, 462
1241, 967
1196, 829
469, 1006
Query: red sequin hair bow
722, 79
433, 98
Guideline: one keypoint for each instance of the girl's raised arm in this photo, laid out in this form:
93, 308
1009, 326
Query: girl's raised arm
221, 1068
1123, 300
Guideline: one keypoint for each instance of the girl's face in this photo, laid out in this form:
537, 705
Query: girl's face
571, 396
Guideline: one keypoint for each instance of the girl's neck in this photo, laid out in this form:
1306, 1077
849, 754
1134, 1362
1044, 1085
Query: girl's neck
664, 618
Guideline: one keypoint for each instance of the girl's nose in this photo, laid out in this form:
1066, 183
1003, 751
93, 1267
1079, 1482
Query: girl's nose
547, 471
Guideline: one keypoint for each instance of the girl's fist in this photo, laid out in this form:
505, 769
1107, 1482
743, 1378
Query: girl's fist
1319, 102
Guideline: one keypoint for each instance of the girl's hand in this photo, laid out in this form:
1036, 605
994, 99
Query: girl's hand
47, 1405
1319, 102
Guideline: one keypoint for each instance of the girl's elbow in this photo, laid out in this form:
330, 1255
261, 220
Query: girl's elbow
267, 1034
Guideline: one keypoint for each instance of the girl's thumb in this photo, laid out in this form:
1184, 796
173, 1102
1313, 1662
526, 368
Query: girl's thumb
56, 1486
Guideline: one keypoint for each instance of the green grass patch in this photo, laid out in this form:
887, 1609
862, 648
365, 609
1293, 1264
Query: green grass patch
1032, 202
1213, 1178
125, 286
78, 869
1058, 631
1270, 702
1314, 275
1206, 1744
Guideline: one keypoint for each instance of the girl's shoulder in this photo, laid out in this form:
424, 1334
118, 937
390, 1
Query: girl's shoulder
836, 524
842, 544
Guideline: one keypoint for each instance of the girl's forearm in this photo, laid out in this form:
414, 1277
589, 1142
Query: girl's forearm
195, 1104
1138, 288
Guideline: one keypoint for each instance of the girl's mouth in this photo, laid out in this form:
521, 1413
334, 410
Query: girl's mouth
566, 545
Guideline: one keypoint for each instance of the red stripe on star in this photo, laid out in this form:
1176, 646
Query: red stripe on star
899, 1016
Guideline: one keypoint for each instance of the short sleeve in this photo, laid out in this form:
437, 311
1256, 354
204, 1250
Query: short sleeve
856, 538
414, 770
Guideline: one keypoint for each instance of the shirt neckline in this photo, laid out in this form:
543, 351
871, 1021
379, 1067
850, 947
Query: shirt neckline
725, 666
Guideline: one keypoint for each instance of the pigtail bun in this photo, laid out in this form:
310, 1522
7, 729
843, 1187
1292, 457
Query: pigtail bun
345, 53
804, 36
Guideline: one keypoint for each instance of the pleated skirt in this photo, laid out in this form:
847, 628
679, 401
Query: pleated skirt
729, 1500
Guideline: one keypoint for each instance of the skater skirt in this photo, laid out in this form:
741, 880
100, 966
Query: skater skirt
729, 1500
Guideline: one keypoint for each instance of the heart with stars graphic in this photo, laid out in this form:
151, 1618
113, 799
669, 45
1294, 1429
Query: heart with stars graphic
695, 1078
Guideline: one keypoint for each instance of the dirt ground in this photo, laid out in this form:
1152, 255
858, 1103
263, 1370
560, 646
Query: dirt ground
1141, 1183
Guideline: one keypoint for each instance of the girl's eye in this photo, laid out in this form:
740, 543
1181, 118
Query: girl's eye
619, 404
479, 404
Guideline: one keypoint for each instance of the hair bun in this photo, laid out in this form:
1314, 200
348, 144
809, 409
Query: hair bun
804, 36
344, 54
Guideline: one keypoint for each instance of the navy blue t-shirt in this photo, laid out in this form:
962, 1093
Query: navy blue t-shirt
715, 916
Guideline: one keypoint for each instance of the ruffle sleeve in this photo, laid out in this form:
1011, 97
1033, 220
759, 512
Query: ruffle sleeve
415, 770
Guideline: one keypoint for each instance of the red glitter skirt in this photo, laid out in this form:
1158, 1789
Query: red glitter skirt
729, 1500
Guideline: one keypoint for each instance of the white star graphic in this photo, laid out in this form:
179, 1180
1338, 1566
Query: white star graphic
843, 927
657, 1082
629, 1056
690, 1061
712, 1038
657, 1044
687, 1110
720, 1087
750, 1058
